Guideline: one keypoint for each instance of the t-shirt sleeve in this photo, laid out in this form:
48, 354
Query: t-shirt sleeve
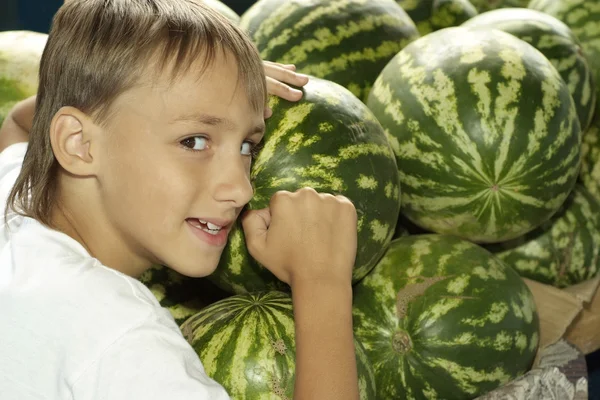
150, 362
11, 160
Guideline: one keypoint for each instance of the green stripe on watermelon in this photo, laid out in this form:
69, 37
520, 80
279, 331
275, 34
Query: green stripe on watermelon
345, 41
582, 17
433, 15
247, 344
329, 141
557, 42
442, 318
485, 132
181, 295
20, 55
563, 251
488, 5
590, 155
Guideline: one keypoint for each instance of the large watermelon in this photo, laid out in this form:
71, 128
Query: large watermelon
345, 41
583, 17
557, 42
247, 344
487, 5
442, 318
181, 295
563, 251
331, 142
433, 15
224, 10
20, 55
485, 133
590, 156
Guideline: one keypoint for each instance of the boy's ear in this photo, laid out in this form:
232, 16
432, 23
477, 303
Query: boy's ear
72, 134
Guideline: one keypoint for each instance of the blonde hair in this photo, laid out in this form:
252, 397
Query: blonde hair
97, 49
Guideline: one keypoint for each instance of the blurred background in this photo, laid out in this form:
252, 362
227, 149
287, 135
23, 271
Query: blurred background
36, 15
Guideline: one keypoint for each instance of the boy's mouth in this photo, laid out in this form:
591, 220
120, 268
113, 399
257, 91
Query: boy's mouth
208, 226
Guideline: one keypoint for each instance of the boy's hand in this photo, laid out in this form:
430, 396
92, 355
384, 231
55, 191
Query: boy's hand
16, 126
304, 236
279, 77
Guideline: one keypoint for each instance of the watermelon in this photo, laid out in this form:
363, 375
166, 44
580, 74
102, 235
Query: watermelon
345, 41
557, 42
247, 344
433, 15
488, 5
329, 141
590, 156
485, 132
20, 55
181, 295
582, 17
442, 318
563, 251
224, 10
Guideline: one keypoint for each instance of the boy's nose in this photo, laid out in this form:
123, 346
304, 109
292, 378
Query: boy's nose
232, 183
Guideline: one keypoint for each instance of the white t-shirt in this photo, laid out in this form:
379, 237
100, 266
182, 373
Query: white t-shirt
72, 328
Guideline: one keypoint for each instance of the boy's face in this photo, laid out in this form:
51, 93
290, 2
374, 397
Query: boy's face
176, 159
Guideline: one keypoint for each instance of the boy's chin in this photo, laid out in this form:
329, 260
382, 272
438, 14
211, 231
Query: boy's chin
197, 270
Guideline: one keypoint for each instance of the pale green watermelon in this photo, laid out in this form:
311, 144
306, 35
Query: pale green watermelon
247, 344
563, 251
442, 318
329, 141
485, 132
583, 17
344, 41
181, 295
432, 15
590, 155
557, 42
20, 55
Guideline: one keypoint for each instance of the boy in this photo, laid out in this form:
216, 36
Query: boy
147, 115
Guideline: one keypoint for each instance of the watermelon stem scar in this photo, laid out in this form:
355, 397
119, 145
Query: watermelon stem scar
401, 342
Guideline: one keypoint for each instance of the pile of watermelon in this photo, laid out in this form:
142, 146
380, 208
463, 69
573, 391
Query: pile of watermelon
468, 137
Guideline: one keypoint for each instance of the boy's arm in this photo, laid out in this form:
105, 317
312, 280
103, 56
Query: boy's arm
16, 126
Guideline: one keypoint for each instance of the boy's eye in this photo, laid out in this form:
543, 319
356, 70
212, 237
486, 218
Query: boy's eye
195, 143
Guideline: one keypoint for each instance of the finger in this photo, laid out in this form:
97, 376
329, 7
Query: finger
256, 224
287, 75
282, 90
268, 112
286, 66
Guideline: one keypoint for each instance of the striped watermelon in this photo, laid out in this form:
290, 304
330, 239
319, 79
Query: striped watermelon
433, 15
485, 132
582, 17
488, 5
442, 318
563, 251
590, 156
224, 10
345, 41
20, 55
557, 42
331, 142
181, 295
247, 344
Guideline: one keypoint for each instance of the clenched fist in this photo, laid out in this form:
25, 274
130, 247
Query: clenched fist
304, 236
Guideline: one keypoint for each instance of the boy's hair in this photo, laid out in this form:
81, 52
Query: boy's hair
97, 49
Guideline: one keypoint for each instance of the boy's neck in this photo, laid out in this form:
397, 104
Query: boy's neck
78, 214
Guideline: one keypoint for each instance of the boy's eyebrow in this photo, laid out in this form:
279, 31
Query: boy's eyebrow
212, 120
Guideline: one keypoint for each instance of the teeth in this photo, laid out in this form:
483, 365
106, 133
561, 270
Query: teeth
213, 227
